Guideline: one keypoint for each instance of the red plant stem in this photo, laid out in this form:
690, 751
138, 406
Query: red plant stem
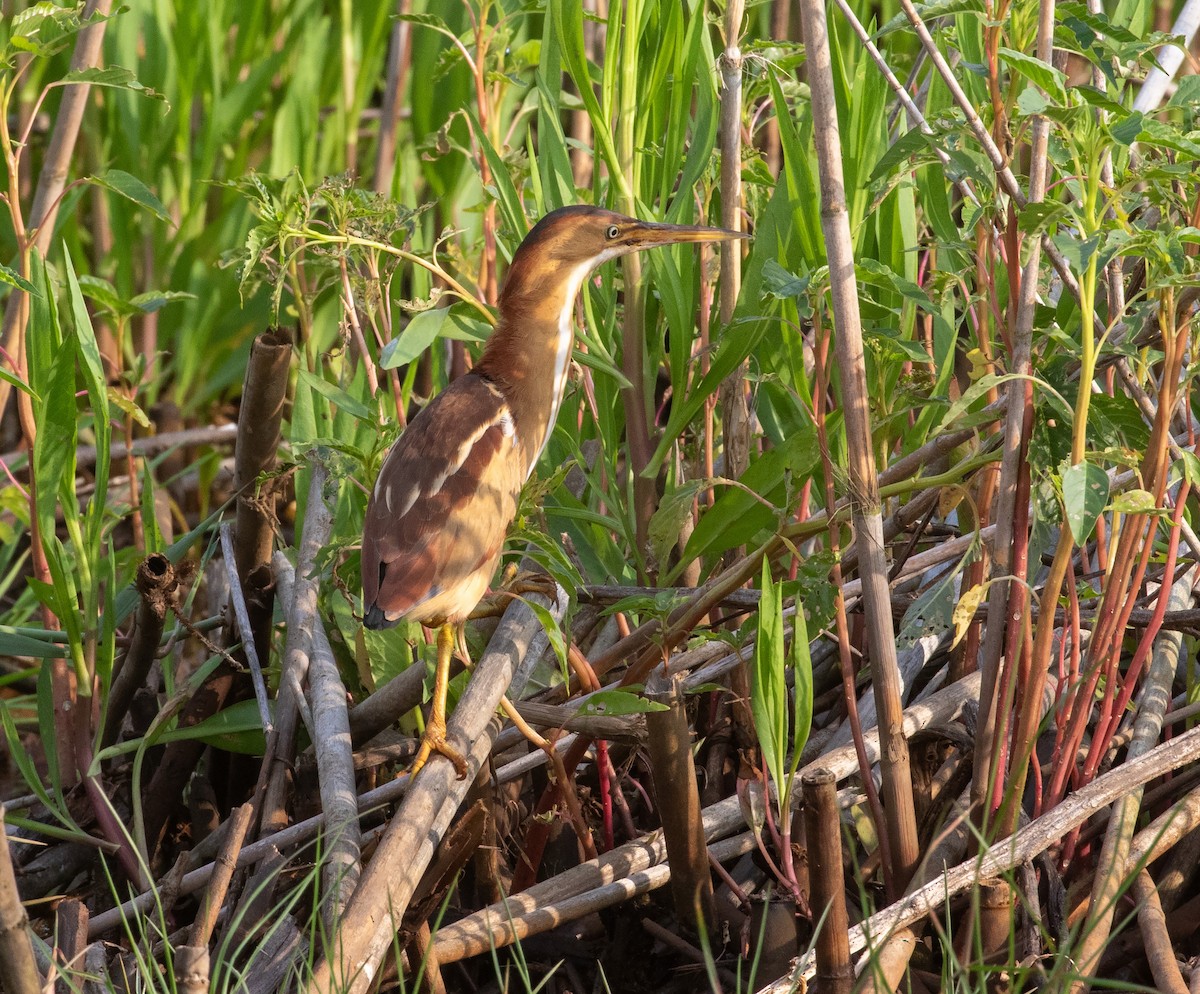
1017, 615
1106, 730
606, 803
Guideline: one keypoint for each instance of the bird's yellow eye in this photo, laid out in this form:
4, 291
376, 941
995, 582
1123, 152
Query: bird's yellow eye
612, 231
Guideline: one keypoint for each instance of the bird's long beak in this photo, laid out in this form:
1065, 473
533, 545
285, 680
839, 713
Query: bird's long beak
647, 234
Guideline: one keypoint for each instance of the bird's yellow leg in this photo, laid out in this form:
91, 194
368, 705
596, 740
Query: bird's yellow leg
435, 728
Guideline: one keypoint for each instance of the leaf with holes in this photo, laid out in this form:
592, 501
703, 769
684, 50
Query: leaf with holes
1085, 492
1136, 502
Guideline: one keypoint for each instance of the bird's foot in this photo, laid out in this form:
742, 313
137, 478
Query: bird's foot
516, 584
435, 741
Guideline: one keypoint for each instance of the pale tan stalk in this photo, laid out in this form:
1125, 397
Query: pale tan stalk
864, 485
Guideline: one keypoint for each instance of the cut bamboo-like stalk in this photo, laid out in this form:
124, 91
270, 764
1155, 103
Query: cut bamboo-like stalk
823, 828
155, 582
679, 802
191, 969
263, 394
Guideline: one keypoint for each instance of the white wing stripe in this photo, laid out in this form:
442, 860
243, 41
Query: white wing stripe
414, 490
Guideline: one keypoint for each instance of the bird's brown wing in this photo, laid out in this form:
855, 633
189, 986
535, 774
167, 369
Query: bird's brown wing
445, 497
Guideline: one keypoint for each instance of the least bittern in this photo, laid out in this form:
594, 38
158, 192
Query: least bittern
448, 488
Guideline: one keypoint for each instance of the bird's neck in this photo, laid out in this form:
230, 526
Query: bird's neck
529, 353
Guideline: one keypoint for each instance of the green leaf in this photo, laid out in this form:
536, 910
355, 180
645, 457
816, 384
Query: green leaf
1032, 101
768, 686
874, 271
13, 381
237, 728
156, 300
891, 341
666, 524
933, 611
13, 278
114, 76
781, 284
907, 145
1136, 502
14, 643
1078, 252
1126, 131
101, 292
337, 395
1189, 466
1051, 80
738, 514
1085, 492
131, 188
1187, 91
618, 703
424, 329
129, 406
88, 350
802, 685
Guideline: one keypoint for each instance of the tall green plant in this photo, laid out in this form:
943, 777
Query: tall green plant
782, 720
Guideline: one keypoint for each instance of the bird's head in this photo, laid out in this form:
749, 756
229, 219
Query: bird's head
571, 241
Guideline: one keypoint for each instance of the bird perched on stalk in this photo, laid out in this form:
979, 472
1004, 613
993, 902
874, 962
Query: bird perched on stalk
448, 488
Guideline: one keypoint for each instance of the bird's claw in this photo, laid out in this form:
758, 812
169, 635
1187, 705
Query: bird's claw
517, 585
435, 741
533, 582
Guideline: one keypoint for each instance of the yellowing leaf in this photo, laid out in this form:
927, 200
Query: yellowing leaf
964, 611
949, 499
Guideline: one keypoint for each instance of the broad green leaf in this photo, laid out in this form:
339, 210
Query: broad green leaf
1126, 130
781, 284
156, 300
424, 329
105, 294
1032, 101
1085, 492
131, 188
906, 146
129, 406
1187, 91
617, 703
933, 611
738, 514
1135, 502
1189, 466
1051, 80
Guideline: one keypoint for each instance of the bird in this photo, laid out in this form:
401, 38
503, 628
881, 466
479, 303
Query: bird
449, 486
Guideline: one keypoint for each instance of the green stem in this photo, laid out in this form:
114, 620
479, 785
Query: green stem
325, 238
